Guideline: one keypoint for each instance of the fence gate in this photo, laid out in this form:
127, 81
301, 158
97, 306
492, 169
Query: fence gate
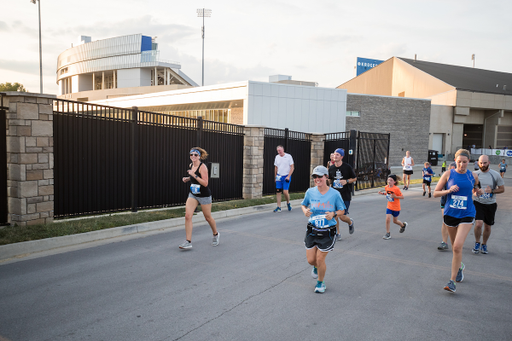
298, 145
370, 155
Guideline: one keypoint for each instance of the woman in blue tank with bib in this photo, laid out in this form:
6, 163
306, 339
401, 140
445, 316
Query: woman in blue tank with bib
199, 194
459, 210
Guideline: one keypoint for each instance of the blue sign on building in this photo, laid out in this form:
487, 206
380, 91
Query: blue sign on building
365, 64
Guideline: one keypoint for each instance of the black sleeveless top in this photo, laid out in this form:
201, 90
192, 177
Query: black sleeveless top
195, 187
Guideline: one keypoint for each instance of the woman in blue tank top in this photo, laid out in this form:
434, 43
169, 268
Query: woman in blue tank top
459, 210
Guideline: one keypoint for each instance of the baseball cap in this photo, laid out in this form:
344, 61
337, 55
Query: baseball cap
320, 170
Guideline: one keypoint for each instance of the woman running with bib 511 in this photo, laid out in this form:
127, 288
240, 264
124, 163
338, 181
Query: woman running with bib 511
321, 205
459, 210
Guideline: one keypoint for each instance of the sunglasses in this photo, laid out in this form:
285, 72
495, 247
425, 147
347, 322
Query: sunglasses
194, 154
317, 176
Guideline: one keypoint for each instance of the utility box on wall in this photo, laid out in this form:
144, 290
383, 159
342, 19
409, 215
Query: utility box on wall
214, 170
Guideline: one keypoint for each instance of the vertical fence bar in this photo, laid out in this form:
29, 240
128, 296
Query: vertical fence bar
134, 157
199, 130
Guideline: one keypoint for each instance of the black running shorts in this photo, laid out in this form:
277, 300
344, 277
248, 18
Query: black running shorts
485, 212
454, 222
323, 240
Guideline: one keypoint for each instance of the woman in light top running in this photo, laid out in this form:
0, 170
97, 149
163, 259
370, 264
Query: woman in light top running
200, 194
321, 205
459, 210
407, 163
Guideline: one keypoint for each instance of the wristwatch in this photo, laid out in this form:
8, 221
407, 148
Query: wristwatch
335, 214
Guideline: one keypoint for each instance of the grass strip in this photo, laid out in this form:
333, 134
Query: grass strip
17, 234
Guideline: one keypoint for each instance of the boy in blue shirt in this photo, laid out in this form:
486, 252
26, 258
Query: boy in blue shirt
427, 174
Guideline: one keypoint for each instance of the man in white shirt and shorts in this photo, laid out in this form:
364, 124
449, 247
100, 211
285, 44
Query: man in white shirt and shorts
283, 169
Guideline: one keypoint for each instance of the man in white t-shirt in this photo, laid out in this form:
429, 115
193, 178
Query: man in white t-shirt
283, 169
491, 184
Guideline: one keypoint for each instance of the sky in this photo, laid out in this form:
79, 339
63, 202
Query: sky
316, 41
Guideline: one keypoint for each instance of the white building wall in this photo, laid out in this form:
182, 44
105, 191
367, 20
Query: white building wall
299, 108
145, 77
127, 78
84, 83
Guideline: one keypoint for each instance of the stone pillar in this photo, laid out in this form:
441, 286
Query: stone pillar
317, 152
30, 158
254, 141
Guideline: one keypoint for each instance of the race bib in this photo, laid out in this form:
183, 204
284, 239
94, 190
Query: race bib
390, 199
337, 184
486, 196
320, 221
427, 178
459, 202
502, 168
278, 178
195, 188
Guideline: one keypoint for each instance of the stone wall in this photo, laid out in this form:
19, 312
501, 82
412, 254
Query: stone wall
254, 142
406, 119
29, 158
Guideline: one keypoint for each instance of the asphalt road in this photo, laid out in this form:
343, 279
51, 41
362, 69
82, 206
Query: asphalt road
256, 284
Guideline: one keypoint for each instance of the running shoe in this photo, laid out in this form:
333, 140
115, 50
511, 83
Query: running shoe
483, 249
351, 226
277, 210
185, 245
289, 206
402, 229
450, 286
404, 188
387, 236
476, 249
460, 274
320, 287
314, 272
215, 240
424, 193
442, 246
338, 237
430, 195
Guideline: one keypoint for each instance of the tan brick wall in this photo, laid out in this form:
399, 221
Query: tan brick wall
317, 152
254, 141
30, 183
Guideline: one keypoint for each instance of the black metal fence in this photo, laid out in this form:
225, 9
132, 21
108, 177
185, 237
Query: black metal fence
369, 158
110, 159
298, 145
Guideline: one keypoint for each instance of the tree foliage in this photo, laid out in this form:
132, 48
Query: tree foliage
7, 86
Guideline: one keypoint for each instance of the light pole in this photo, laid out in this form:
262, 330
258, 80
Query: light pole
40, 48
202, 12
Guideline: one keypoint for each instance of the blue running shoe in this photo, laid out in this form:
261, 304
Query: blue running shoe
277, 210
460, 274
450, 286
483, 249
320, 287
289, 206
314, 272
476, 249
